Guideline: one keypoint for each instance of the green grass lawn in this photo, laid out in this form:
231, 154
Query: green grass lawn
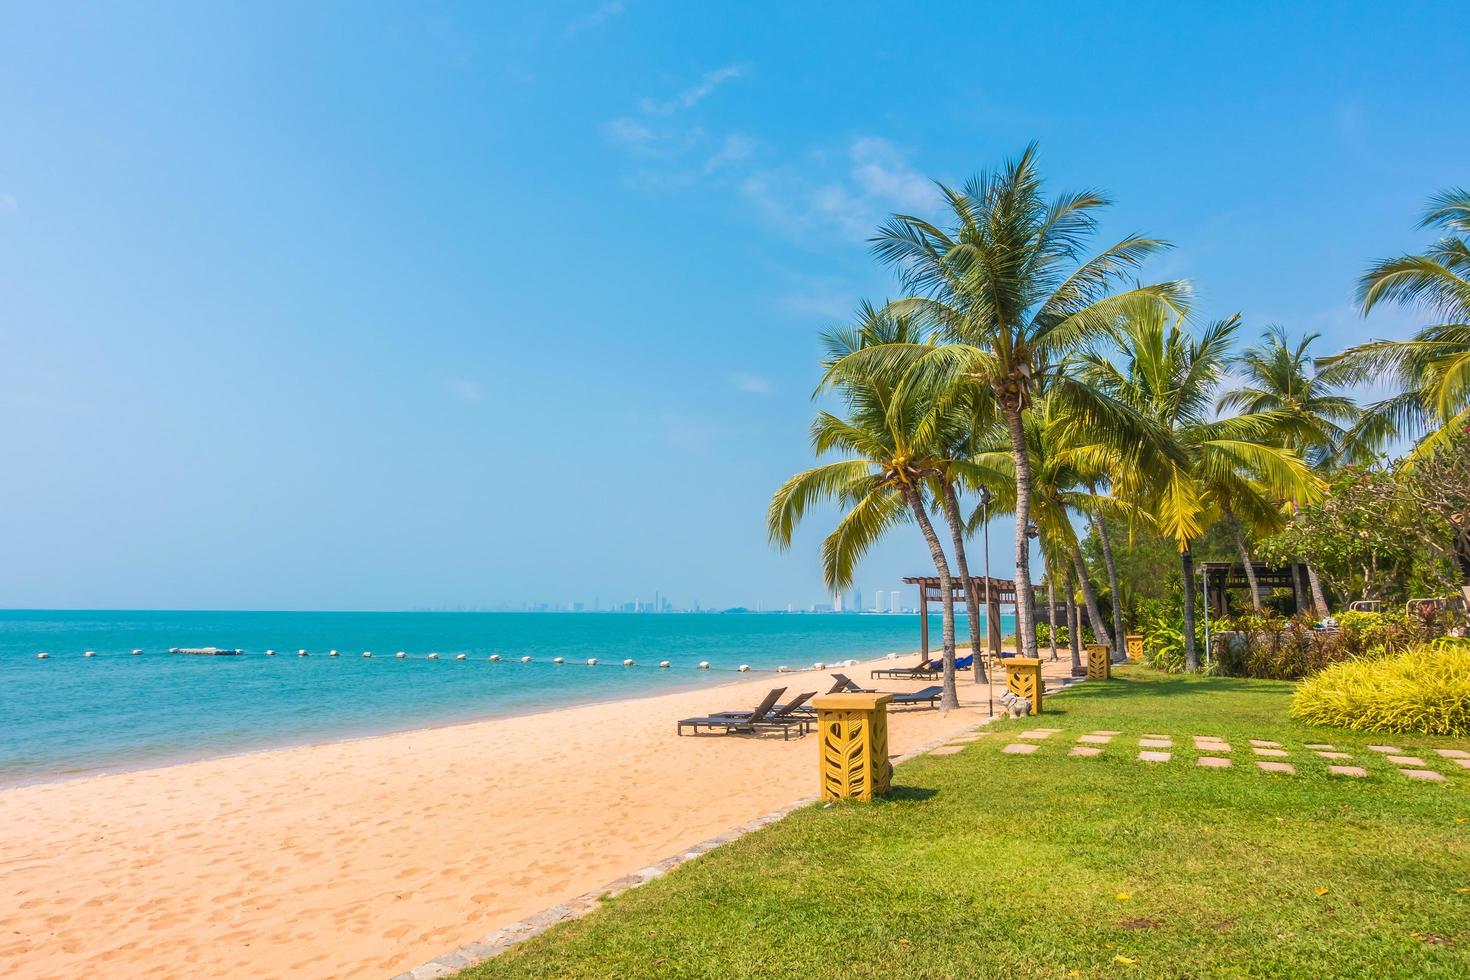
985, 864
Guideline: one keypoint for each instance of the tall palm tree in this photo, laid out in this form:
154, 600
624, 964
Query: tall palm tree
1315, 421
1171, 377
896, 441
1431, 370
1006, 281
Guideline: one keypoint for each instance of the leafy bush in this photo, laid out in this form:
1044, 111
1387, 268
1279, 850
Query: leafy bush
1161, 622
1043, 635
1278, 648
1425, 690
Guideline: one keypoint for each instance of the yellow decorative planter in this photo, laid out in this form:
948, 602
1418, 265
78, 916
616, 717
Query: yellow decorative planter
1099, 661
1023, 679
853, 745
1135, 646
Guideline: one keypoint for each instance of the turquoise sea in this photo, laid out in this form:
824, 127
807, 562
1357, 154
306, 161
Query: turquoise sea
73, 715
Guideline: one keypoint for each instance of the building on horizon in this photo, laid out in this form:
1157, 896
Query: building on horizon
893, 605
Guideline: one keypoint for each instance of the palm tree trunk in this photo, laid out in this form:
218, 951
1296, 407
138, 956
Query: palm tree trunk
1051, 608
950, 698
1025, 600
1089, 595
1245, 559
972, 602
1186, 568
1118, 654
1074, 628
1318, 599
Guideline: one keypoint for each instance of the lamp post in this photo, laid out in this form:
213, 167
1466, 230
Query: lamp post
985, 511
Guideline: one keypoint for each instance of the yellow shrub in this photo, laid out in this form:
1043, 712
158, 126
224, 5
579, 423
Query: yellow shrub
1425, 690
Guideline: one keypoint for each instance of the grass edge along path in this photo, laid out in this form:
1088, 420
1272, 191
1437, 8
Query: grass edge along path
1046, 864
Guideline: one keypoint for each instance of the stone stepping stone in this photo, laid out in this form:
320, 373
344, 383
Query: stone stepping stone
1426, 774
1334, 755
1452, 753
1212, 762
1321, 746
1262, 743
1278, 753
1210, 745
946, 750
1095, 739
1462, 763
1019, 748
1357, 771
1038, 733
1083, 750
963, 738
1155, 756
1285, 767
1412, 761
1389, 749
1153, 735
1155, 743
1107, 733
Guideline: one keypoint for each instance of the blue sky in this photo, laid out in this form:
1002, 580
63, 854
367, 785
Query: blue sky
419, 305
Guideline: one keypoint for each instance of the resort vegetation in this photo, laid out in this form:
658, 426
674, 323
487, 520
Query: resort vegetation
1024, 370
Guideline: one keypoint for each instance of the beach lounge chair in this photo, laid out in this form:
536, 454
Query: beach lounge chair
929, 695
928, 666
749, 721
795, 710
846, 685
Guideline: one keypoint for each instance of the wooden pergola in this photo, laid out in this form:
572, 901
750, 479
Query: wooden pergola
1002, 593
1218, 576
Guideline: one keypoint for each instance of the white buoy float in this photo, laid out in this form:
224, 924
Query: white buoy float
460, 657
663, 663
783, 669
270, 653
628, 662
400, 655
704, 665
367, 653
819, 666
525, 660
433, 656
137, 653
555, 660
302, 653
591, 661
495, 657
744, 668
90, 653
331, 653
43, 656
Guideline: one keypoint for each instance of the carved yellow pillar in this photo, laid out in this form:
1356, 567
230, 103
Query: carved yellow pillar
853, 745
1135, 646
1023, 679
1099, 661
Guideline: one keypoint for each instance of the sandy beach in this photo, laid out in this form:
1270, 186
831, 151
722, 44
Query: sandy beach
368, 857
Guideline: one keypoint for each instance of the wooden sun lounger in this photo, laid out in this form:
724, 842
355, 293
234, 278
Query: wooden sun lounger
749, 721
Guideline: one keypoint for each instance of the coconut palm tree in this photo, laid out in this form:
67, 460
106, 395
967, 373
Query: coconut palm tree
1006, 281
1171, 377
1315, 421
1431, 370
948, 424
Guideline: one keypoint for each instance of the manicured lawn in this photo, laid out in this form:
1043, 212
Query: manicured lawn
986, 864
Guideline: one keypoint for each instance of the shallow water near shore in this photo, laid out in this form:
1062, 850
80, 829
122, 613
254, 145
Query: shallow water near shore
71, 715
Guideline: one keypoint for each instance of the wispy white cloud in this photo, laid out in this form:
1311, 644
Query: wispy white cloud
878, 179
752, 384
736, 149
821, 297
464, 390
694, 94
629, 132
594, 18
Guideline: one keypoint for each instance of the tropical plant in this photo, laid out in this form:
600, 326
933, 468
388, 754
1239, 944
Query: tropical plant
1432, 369
1425, 690
1005, 282
1170, 377
1311, 416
